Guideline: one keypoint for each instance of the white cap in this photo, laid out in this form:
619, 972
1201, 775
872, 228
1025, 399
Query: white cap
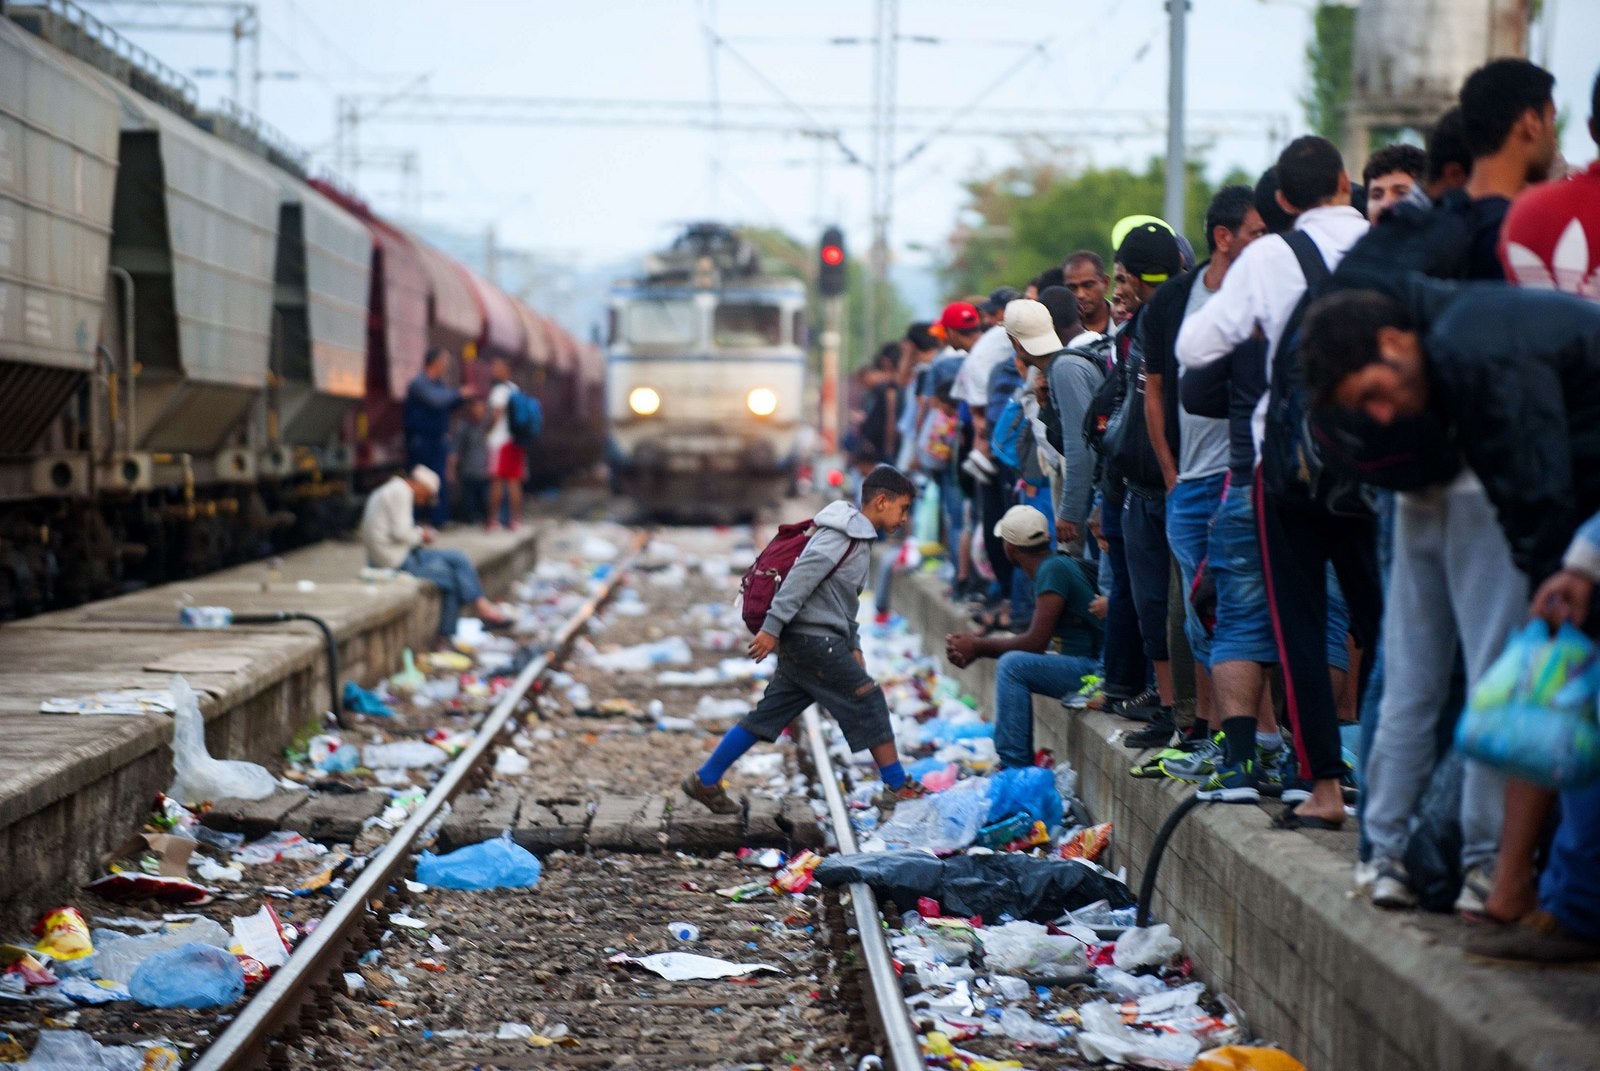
425, 476
1029, 323
1022, 526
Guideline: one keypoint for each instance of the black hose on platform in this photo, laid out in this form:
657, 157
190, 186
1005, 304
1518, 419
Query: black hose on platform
1147, 885
330, 646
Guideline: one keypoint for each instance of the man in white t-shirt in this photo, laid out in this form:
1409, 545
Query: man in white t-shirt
507, 463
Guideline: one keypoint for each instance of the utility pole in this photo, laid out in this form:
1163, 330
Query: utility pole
1177, 171
884, 80
833, 393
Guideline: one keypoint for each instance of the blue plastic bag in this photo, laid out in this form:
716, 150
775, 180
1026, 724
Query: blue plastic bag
492, 864
195, 975
1533, 713
1026, 788
361, 701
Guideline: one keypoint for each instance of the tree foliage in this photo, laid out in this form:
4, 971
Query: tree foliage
1330, 60
1028, 217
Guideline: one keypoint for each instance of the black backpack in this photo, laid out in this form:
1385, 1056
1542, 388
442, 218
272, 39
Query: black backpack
1106, 401
1292, 451
1127, 438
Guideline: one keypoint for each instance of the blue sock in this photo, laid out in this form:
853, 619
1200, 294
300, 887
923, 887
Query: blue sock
734, 743
894, 775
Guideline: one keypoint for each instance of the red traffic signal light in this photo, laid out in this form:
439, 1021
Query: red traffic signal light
832, 280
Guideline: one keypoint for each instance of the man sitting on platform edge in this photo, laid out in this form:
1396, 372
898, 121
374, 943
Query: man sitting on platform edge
394, 540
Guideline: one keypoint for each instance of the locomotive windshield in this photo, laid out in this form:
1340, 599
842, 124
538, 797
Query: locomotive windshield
746, 324
661, 323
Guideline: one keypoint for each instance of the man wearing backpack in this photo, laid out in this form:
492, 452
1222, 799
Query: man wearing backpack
1147, 256
507, 462
1452, 586
1193, 453
1263, 293
811, 623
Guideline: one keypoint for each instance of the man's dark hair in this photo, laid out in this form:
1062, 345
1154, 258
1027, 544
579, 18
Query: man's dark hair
1594, 107
1308, 171
1340, 337
1391, 158
1272, 214
1048, 278
921, 337
433, 354
1228, 209
886, 480
1495, 96
1063, 311
1447, 144
1083, 256
888, 357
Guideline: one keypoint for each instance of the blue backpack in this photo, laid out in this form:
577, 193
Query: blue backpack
524, 418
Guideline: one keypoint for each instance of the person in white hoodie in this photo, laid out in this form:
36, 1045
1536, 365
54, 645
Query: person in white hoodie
812, 625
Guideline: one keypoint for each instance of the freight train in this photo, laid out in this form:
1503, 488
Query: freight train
706, 377
204, 352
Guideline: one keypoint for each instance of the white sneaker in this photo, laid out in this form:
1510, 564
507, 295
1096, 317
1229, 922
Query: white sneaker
1476, 885
1391, 888
1366, 875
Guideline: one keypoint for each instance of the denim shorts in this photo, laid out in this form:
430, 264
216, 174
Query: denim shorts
1244, 621
822, 669
1190, 507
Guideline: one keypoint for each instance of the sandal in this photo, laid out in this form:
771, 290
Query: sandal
1289, 819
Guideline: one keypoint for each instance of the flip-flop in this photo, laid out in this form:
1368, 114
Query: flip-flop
1288, 819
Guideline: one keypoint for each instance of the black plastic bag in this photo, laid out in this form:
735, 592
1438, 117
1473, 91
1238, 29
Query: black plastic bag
1433, 852
1037, 890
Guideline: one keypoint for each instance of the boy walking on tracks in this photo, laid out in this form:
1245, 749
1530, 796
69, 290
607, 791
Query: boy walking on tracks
811, 623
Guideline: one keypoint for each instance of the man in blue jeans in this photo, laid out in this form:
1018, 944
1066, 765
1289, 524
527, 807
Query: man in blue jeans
1056, 651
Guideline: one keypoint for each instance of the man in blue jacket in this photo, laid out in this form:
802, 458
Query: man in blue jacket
430, 402
1512, 379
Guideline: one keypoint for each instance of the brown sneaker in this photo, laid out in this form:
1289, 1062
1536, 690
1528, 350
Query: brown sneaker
1539, 940
885, 801
715, 797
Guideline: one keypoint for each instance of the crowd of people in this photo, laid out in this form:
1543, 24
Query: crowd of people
1294, 495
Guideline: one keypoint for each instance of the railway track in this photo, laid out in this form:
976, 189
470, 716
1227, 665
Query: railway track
534, 952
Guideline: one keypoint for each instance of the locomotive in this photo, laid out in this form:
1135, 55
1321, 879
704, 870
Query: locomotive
204, 351
705, 376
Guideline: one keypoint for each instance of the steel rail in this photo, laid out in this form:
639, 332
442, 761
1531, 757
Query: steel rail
243, 1043
888, 1004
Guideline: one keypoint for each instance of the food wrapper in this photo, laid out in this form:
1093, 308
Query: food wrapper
1087, 843
63, 934
796, 873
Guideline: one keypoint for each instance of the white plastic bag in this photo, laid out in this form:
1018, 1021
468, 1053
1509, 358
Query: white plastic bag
1029, 949
1146, 947
200, 777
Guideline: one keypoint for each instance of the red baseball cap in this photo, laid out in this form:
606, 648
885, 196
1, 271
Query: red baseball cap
960, 316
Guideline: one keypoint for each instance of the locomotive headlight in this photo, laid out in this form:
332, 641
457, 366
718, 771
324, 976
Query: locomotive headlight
644, 401
761, 401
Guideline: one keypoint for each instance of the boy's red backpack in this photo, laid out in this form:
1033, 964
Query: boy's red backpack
760, 584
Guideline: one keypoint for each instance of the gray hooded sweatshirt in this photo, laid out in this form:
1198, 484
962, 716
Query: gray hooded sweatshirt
809, 604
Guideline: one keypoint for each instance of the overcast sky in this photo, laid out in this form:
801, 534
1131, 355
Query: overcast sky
597, 194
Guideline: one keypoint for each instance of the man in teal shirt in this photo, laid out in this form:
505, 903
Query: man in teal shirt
1060, 646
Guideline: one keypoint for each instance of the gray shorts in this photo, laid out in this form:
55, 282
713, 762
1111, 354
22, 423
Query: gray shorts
822, 670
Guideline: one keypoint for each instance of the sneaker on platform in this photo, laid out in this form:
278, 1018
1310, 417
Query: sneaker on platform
1392, 887
1141, 707
1158, 733
1232, 782
1269, 765
1476, 885
1199, 764
1091, 693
